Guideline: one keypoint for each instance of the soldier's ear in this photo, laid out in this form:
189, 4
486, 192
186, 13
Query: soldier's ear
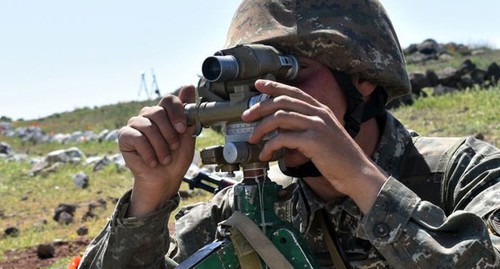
364, 87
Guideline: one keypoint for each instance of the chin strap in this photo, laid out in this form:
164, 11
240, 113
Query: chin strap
358, 111
307, 169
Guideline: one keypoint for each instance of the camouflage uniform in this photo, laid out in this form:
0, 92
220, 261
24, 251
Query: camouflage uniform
440, 207
401, 230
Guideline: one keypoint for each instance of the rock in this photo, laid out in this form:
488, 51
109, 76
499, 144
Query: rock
444, 57
111, 136
5, 126
34, 135
81, 180
429, 47
89, 136
477, 52
38, 167
76, 136
45, 251
466, 67
5, 148
418, 81
440, 90
465, 82
102, 135
92, 160
478, 76
65, 209
71, 155
103, 162
88, 215
101, 203
43, 167
11, 231
493, 73
82, 230
420, 58
65, 218
119, 162
60, 138
432, 77
411, 49
449, 77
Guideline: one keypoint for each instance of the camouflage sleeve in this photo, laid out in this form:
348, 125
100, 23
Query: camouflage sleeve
196, 225
131, 242
409, 231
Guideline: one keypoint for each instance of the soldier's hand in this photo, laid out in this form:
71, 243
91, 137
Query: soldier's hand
310, 130
158, 147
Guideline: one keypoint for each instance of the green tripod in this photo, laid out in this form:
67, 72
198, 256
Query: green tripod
275, 244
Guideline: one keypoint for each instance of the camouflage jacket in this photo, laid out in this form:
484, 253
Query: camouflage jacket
440, 208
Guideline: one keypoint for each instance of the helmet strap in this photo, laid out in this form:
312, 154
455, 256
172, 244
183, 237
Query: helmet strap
358, 111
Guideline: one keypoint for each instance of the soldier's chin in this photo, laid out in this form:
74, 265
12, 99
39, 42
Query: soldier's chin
293, 158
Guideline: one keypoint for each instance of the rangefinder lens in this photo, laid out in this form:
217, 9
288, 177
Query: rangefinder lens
220, 68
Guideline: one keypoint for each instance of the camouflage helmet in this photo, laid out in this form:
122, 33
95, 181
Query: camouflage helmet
353, 36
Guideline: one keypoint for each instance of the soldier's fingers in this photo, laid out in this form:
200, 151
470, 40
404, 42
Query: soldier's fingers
175, 112
275, 89
276, 104
187, 94
159, 117
131, 140
153, 136
283, 120
289, 140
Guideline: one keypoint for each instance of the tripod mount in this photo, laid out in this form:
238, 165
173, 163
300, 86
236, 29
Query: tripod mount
254, 236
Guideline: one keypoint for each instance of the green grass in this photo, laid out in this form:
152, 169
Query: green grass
85, 119
45, 192
469, 112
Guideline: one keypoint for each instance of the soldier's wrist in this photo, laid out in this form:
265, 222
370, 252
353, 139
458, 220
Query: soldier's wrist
144, 201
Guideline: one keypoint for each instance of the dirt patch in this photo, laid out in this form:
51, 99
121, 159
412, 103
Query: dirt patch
28, 258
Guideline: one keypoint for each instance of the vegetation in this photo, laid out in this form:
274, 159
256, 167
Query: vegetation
88, 119
470, 112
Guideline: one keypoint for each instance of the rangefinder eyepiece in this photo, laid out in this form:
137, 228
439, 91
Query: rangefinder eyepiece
249, 62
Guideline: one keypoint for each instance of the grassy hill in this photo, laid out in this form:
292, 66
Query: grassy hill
28, 202
83, 119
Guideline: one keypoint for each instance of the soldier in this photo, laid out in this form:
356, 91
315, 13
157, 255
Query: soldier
392, 198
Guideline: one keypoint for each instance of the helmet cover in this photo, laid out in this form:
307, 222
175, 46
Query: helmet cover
352, 36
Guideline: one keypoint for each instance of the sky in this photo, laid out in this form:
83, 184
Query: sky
59, 55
